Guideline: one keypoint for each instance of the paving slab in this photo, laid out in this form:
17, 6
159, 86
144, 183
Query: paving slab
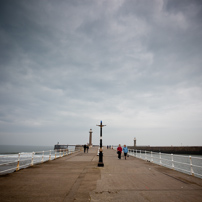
77, 178
68, 178
138, 180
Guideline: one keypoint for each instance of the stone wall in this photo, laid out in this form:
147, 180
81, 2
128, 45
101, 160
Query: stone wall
172, 149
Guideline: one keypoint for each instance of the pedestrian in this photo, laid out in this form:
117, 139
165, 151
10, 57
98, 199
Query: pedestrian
119, 150
125, 151
87, 147
84, 147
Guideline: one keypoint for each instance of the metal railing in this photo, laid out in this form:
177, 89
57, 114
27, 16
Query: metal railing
184, 163
14, 162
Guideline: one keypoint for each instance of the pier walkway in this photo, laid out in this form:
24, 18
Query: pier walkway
77, 178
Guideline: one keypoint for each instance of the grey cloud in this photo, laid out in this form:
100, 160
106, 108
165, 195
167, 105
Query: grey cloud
67, 64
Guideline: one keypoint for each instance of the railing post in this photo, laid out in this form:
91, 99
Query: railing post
173, 167
145, 156
151, 157
50, 155
191, 168
18, 164
160, 158
42, 157
32, 162
66, 151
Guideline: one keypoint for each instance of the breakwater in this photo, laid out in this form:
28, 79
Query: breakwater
59, 147
196, 150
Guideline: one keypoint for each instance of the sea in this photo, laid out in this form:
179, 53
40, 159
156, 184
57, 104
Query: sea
14, 149
26, 155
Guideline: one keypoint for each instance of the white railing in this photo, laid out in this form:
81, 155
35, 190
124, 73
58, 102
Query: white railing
14, 162
187, 164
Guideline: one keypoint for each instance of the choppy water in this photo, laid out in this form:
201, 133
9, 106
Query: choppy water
9, 156
14, 149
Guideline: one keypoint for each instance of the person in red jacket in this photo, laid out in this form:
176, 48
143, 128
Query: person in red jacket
119, 150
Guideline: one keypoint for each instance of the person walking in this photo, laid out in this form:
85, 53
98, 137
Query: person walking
125, 151
87, 147
84, 147
119, 150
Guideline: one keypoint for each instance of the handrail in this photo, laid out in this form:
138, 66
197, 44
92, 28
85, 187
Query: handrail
176, 162
26, 159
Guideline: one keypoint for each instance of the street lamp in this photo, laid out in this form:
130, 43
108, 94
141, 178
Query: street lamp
100, 162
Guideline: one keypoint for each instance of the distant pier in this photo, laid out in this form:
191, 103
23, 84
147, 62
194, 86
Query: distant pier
196, 150
63, 146
59, 146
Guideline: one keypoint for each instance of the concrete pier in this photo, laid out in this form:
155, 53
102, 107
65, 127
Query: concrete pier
77, 178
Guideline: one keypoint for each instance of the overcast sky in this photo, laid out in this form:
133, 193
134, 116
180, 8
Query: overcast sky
66, 65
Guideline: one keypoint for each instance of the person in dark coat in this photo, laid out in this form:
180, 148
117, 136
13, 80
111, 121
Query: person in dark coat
119, 150
84, 147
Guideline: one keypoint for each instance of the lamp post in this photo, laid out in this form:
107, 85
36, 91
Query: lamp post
100, 162
90, 137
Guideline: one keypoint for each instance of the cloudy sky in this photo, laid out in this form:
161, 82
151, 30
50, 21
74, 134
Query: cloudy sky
134, 64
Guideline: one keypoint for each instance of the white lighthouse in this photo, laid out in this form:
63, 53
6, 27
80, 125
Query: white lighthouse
134, 142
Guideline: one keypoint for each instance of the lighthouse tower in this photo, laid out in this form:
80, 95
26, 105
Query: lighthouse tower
90, 137
134, 142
